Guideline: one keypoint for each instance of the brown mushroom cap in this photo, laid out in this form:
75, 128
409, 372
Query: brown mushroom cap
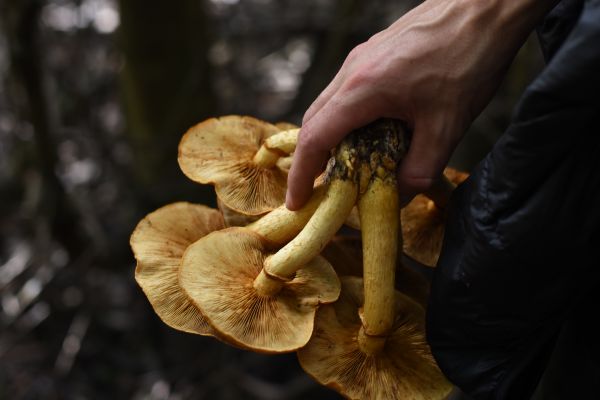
345, 255
423, 230
234, 218
218, 273
220, 151
405, 369
455, 176
423, 225
158, 243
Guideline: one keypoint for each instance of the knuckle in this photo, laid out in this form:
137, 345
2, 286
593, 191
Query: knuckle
306, 139
355, 53
359, 78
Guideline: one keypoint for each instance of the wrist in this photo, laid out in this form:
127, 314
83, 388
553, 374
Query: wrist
515, 18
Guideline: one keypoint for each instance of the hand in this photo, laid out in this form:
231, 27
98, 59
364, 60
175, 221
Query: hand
435, 68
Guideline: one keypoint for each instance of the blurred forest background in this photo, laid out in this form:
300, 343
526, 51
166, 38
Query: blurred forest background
94, 97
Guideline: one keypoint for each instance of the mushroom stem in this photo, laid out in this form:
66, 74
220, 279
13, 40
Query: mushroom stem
282, 225
276, 146
265, 157
284, 141
369, 344
440, 192
379, 219
267, 285
325, 222
379, 153
339, 198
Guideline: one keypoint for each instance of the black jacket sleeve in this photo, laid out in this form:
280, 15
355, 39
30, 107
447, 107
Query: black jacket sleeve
522, 242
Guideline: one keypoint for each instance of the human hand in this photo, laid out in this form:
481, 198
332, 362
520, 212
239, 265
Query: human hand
435, 68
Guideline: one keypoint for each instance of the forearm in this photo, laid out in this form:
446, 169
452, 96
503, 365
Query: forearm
513, 20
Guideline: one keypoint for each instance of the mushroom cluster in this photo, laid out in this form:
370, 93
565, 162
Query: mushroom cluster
260, 277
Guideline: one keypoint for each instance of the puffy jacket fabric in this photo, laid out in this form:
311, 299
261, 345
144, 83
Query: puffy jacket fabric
521, 252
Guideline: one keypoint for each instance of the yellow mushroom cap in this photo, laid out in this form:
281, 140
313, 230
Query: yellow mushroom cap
423, 225
218, 273
158, 243
404, 369
220, 151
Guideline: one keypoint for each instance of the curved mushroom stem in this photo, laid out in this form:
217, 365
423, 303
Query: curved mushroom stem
284, 141
322, 226
280, 144
284, 163
330, 215
440, 192
282, 225
265, 158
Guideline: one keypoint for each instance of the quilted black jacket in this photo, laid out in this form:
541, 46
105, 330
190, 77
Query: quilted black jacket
516, 294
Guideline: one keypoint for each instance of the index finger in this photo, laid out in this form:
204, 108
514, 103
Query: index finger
318, 136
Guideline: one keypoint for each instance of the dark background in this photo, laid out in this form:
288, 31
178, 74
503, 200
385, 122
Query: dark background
94, 96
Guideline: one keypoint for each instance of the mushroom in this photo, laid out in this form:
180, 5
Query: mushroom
161, 238
285, 163
379, 211
239, 156
405, 369
424, 219
271, 275
158, 243
218, 274
378, 351
378, 146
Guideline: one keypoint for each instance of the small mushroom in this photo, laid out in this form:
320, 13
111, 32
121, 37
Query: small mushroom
404, 369
218, 273
423, 219
158, 243
238, 155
